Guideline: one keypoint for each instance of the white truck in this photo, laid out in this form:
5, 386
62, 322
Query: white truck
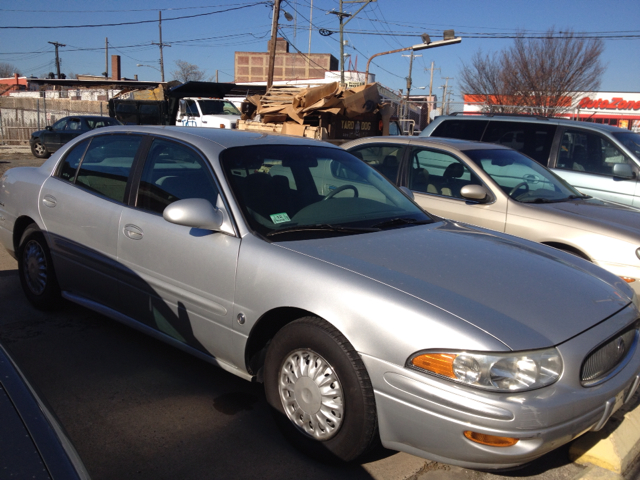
207, 112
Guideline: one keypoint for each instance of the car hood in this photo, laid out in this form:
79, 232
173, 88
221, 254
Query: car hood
594, 215
526, 295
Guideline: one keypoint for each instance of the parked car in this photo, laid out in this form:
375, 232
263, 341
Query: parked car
44, 142
33, 444
499, 188
288, 261
597, 159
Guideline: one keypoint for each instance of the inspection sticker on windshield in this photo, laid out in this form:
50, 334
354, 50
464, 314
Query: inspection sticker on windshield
280, 218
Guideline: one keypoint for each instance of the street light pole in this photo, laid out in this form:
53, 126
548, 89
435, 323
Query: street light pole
415, 48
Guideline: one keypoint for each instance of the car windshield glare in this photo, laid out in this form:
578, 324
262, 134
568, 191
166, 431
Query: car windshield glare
313, 191
522, 178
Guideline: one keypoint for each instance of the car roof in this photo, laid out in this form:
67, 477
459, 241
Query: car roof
225, 138
452, 143
533, 119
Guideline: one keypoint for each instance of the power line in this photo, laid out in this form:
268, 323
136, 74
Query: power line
135, 23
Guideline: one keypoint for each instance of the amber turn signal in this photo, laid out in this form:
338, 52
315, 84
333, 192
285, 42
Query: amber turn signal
438, 363
628, 279
491, 440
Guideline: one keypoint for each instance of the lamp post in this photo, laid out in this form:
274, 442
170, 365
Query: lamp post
449, 39
149, 66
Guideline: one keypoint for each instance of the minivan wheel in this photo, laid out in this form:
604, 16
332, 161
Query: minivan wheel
320, 392
36, 272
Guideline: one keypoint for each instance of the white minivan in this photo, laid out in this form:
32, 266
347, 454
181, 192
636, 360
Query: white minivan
600, 160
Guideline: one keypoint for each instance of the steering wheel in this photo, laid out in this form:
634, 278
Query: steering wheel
518, 186
333, 193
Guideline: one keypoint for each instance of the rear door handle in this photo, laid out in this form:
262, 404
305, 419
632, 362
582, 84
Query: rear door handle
133, 232
49, 201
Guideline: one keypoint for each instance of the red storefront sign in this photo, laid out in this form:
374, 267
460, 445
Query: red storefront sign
616, 103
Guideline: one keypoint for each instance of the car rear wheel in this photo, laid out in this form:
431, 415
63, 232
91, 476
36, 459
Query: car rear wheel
320, 392
36, 272
39, 150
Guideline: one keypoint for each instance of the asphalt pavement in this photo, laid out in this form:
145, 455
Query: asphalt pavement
137, 408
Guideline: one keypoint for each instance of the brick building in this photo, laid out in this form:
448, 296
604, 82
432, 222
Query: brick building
253, 66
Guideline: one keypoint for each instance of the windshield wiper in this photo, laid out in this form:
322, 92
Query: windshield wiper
394, 222
326, 227
555, 200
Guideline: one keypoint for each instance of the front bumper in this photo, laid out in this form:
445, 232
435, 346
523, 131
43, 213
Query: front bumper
426, 416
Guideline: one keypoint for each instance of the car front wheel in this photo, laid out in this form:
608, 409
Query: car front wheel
36, 272
39, 150
320, 391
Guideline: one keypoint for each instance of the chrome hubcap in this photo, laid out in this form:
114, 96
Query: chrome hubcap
35, 267
39, 148
311, 394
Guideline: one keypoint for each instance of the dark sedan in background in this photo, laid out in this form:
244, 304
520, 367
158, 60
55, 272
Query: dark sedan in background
44, 142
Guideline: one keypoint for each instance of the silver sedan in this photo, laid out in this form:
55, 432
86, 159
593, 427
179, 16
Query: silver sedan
290, 262
495, 187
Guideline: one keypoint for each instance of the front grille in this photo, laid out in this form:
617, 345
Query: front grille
608, 358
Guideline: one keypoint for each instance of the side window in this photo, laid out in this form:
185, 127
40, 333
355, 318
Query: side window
106, 165
192, 108
438, 173
69, 166
384, 158
74, 124
60, 124
588, 152
462, 129
173, 172
532, 139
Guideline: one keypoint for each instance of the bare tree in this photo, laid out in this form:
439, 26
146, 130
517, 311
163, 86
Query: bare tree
188, 72
8, 70
536, 75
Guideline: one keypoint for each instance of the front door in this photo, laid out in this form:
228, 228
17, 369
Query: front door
178, 280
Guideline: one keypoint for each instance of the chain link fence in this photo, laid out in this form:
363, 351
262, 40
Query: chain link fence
20, 117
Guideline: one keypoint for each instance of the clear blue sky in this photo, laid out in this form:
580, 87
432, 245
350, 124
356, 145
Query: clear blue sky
209, 39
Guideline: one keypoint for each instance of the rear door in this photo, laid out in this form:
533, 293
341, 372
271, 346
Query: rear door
81, 207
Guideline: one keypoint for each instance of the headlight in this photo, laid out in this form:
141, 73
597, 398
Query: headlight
503, 372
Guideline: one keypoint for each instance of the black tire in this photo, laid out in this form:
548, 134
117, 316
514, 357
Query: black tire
35, 269
347, 432
39, 150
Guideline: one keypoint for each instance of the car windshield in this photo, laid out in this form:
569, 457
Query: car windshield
292, 192
522, 178
631, 141
218, 107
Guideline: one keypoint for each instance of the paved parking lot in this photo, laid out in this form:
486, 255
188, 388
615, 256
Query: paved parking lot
136, 408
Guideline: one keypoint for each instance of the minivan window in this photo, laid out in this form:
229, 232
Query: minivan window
630, 140
462, 129
532, 139
589, 152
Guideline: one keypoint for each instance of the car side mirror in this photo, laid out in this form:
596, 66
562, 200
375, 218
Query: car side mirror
476, 193
407, 192
199, 213
623, 170
49, 128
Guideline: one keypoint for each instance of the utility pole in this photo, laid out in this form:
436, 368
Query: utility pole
272, 45
444, 94
431, 104
56, 44
409, 81
341, 15
106, 57
161, 45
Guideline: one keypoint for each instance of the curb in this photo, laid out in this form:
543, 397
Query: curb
616, 446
